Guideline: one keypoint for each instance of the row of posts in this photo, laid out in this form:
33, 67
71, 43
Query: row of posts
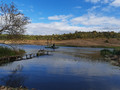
29, 56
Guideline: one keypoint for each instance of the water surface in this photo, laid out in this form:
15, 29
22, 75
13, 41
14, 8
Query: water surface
64, 69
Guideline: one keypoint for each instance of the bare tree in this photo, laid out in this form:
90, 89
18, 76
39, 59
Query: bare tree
12, 21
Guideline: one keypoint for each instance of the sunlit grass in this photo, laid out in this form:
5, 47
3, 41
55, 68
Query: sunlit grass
5, 51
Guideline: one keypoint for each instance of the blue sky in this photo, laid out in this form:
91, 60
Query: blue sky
64, 16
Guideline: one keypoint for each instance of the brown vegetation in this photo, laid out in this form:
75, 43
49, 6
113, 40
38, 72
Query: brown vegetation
101, 42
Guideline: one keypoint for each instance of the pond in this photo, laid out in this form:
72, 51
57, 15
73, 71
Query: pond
67, 68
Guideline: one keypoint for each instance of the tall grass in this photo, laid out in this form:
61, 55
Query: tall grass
5, 51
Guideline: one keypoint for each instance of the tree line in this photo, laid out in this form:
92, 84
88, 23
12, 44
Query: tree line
75, 35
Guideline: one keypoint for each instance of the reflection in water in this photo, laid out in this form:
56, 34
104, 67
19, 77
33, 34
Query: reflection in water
93, 55
68, 68
89, 55
14, 79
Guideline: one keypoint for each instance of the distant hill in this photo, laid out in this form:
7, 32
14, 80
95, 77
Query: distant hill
76, 35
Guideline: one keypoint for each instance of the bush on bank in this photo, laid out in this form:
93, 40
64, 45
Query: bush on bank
5, 51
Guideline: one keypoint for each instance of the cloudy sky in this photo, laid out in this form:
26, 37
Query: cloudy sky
64, 16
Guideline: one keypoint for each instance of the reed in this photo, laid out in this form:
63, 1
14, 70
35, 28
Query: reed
5, 51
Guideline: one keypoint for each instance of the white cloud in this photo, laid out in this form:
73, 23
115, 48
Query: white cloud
60, 28
92, 9
67, 24
96, 20
93, 1
107, 9
116, 3
49, 28
60, 17
106, 1
99, 1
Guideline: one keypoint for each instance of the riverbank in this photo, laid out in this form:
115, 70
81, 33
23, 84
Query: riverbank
7, 51
8, 54
113, 59
112, 56
101, 42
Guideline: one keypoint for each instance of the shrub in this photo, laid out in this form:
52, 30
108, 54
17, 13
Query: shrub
116, 52
105, 52
5, 51
106, 41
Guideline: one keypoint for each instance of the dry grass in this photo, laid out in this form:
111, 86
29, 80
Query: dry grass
76, 42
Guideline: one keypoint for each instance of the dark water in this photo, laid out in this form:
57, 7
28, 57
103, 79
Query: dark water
65, 69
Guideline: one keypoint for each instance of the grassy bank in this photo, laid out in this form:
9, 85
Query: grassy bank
112, 56
101, 42
5, 51
76, 39
8, 52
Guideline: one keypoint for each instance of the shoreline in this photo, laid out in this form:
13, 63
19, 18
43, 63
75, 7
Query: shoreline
95, 43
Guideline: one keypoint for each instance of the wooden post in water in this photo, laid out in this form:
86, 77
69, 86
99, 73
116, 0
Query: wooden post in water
37, 54
30, 55
26, 56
